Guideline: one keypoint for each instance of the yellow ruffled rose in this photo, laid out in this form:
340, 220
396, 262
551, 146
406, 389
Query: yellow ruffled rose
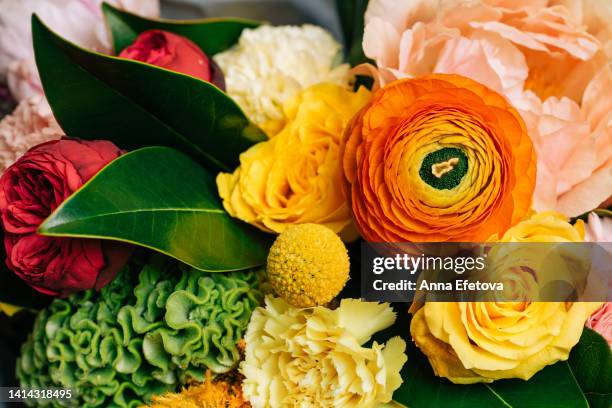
547, 226
296, 177
474, 342
315, 358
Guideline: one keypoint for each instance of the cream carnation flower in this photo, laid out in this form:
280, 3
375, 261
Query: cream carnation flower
314, 357
79, 21
30, 124
269, 65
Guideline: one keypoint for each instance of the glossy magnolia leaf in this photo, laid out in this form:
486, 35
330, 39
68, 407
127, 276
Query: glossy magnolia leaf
211, 35
591, 362
95, 96
159, 198
351, 14
553, 387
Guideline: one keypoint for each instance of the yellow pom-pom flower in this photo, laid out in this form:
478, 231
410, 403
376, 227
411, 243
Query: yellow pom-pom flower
308, 265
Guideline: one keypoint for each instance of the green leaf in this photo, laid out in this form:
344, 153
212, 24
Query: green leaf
159, 198
211, 35
601, 212
351, 15
553, 387
133, 104
591, 362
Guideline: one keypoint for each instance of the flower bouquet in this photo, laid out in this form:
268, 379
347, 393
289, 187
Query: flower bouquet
185, 204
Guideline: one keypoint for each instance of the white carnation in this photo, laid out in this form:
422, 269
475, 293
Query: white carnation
271, 64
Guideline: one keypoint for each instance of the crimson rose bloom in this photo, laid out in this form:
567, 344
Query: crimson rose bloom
176, 53
30, 190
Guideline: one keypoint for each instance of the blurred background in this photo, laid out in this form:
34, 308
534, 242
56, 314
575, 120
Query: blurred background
320, 12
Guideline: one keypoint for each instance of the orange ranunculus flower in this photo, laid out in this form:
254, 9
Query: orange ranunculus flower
438, 158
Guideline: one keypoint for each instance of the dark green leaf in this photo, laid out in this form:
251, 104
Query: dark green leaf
94, 96
351, 14
591, 362
159, 198
553, 387
211, 35
601, 212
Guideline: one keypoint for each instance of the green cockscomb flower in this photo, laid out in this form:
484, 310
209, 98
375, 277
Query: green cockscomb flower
153, 328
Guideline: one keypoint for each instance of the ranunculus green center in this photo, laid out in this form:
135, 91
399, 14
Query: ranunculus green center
444, 168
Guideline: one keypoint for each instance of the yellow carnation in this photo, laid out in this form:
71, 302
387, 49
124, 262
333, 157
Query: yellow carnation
474, 342
296, 177
308, 265
271, 65
315, 358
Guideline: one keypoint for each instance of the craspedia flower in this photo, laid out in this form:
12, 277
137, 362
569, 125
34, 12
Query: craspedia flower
438, 158
308, 265
270, 65
316, 358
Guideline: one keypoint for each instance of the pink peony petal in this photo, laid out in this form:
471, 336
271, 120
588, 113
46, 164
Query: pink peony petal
597, 100
601, 322
381, 43
588, 194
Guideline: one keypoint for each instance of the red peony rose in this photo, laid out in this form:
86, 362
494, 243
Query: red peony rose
30, 190
174, 52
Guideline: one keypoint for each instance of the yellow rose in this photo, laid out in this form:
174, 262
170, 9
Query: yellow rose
547, 226
296, 177
474, 342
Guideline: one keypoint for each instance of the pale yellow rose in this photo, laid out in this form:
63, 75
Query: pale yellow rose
296, 177
533, 260
548, 226
474, 342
